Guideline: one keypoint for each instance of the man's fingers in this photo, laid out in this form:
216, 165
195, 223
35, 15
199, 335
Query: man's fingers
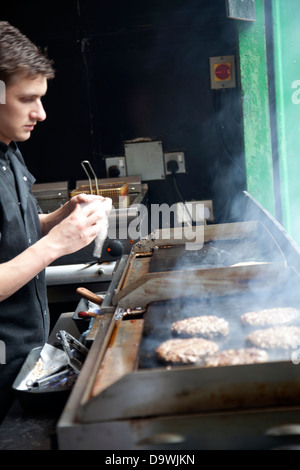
98, 207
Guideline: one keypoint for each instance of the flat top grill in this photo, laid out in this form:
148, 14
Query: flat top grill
247, 280
160, 316
123, 382
213, 254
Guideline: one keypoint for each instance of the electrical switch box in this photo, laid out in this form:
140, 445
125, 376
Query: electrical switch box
222, 72
200, 212
145, 158
241, 10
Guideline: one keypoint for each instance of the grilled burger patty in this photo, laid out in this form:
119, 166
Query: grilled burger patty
284, 337
208, 326
185, 351
271, 316
232, 357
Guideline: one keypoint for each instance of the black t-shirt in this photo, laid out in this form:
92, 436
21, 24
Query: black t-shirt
24, 317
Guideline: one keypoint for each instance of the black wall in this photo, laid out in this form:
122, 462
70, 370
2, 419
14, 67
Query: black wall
136, 69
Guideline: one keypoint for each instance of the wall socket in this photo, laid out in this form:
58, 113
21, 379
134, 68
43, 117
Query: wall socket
116, 164
176, 156
199, 211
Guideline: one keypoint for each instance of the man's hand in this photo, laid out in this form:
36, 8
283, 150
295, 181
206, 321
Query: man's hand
48, 221
86, 216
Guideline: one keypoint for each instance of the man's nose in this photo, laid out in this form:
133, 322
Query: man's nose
38, 114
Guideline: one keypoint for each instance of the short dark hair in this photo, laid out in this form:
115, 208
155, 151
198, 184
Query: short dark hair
19, 55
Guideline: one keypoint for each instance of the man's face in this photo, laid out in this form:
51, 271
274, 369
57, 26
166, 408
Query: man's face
23, 108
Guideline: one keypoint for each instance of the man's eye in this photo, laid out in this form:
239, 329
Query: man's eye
27, 99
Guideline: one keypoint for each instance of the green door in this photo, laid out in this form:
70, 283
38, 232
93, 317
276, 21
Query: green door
270, 87
255, 100
286, 16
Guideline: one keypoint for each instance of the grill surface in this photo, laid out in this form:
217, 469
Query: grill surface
161, 315
213, 254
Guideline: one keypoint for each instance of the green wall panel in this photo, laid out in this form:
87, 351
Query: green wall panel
286, 15
255, 98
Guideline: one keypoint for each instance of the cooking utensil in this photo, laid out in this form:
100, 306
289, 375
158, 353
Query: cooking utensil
66, 377
87, 314
75, 350
87, 294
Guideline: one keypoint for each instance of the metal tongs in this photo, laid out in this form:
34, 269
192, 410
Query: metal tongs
65, 378
65, 372
75, 350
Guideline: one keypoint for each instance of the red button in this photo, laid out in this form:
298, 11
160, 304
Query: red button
223, 71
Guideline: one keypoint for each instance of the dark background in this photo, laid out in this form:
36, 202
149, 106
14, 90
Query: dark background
136, 69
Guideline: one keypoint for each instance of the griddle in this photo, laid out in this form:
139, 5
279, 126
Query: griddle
156, 265
160, 316
131, 383
213, 254
122, 390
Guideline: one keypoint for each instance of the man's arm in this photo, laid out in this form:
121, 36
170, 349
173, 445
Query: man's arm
70, 234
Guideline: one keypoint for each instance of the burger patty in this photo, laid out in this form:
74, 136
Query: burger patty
232, 357
283, 337
208, 326
271, 316
185, 351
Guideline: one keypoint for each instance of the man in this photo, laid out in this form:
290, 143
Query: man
29, 240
